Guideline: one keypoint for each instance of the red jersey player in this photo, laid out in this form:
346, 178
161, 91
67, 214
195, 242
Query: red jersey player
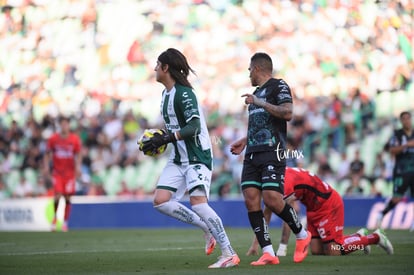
63, 152
325, 217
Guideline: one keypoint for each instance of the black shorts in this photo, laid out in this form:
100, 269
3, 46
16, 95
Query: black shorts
401, 183
264, 171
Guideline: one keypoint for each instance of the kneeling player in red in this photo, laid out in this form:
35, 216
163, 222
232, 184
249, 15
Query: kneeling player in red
325, 217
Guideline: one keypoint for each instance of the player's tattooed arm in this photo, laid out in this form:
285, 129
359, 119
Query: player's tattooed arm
284, 111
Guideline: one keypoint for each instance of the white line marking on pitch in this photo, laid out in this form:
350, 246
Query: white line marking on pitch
32, 253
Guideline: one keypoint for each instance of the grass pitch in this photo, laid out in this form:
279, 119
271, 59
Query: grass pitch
178, 251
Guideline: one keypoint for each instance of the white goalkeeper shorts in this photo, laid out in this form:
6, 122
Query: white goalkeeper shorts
181, 178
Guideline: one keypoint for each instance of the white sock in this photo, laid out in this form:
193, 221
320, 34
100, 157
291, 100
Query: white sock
182, 213
302, 234
268, 249
281, 251
215, 224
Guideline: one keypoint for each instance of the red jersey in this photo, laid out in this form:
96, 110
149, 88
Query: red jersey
64, 151
306, 187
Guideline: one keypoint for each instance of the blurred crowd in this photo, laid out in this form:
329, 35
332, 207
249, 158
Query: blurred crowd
93, 60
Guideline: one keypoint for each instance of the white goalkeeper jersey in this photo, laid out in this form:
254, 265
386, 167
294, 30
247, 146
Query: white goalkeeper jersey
178, 107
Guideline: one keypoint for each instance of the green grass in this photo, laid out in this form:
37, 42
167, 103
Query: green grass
177, 251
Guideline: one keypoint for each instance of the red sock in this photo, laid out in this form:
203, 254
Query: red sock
356, 242
67, 211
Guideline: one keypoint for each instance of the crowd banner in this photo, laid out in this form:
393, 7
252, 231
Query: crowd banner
25, 214
36, 214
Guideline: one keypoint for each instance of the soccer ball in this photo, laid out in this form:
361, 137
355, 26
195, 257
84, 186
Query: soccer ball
149, 133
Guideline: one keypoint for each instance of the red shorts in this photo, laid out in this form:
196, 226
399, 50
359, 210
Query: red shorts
64, 185
328, 222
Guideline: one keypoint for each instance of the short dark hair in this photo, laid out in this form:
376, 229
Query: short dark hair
405, 113
262, 60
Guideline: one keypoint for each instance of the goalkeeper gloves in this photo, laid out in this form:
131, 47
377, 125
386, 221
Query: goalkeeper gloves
158, 140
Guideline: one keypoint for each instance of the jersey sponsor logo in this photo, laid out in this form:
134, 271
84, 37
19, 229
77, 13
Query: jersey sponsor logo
322, 223
282, 96
257, 110
170, 113
189, 113
187, 102
172, 126
188, 105
64, 152
185, 94
338, 228
284, 87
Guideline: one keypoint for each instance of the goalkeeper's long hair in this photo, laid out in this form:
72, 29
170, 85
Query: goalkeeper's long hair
177, 66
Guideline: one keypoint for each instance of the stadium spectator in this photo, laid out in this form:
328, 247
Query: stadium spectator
335, 119
64, 156
32, 158
190, 163
343, 168
360, 183
379, 169
356, 167
356, 174
41, 189
224, 190
4, 192
270, 107
125, 192
325, 216
314, 121
354, 188
367, 46
24, 188
325, 171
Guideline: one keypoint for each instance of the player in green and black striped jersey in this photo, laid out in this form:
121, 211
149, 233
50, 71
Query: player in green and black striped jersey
401, 146
190, 165
180, 111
